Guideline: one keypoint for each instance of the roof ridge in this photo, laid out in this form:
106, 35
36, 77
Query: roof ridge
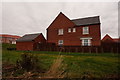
33, 34
85, 17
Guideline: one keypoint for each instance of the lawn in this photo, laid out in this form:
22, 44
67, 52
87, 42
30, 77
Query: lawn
76, 65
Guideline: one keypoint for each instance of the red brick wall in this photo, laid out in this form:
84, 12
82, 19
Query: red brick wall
61, 21
24, 46
5, 40
73, 38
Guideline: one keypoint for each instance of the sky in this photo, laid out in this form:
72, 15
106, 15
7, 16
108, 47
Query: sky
20, 18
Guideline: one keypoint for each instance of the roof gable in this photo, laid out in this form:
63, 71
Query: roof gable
86, 21
29, 37
107, 37
61, 20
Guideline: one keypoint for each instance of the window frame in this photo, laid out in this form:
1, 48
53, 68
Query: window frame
86, 30
69, 30
88, 42
74, 29
60, 31
60, 43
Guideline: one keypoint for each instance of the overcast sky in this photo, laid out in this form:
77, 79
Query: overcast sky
34, 17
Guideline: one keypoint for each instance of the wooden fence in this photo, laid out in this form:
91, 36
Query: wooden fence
104, 48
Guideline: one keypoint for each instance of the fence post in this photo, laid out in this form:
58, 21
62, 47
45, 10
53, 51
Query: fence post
96, 50
117, 49
83, 50
102, 50
89, 49
76, 49
112, 50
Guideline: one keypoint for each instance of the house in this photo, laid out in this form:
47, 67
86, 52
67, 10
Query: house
5, 38
29, 42
108, 39
110, 44
75, 32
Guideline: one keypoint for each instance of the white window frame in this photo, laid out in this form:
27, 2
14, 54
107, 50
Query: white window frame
74, 29
69, 30
88, 43
86, 30
60, 42
13, 42
60, 31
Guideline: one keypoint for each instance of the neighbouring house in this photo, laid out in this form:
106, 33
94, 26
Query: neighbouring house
108, 39
110, 44
75, 32
5, 38
29, 42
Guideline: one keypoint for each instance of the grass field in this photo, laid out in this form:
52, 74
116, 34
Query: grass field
76, 64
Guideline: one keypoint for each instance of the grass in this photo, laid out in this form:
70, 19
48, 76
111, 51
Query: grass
78, 64
94, 65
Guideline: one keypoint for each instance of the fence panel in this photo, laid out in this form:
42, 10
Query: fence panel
104, 48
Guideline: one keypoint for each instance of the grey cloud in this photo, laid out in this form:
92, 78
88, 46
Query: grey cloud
21, 18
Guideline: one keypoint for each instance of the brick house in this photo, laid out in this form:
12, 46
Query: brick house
29, 42
76, 32
108, 39
5, 38
110, 44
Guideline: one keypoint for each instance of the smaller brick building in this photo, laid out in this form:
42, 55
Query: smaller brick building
29, 42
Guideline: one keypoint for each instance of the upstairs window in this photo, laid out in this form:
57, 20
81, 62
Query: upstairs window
60, 32
74, 29
85, 30
69, 29
60, 42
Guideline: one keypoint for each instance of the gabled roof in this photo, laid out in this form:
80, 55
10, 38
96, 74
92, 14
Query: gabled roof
28, 37
107, 37
86, 21
60, 16
78, 22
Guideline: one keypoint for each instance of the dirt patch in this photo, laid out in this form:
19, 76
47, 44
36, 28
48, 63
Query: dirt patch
56, 70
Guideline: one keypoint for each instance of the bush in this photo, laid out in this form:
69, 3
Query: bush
28, 62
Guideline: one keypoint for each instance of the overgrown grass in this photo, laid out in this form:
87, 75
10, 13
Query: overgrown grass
78, 64
97, 66
13, 56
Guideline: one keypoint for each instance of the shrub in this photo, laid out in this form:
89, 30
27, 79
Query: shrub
28, 62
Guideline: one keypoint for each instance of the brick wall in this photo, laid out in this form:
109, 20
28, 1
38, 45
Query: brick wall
25, 46
73, 38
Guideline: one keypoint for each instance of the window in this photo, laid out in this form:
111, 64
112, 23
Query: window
60, 32
13, 42
74, 29
60, 42
86, 42
85, 30
69, 29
